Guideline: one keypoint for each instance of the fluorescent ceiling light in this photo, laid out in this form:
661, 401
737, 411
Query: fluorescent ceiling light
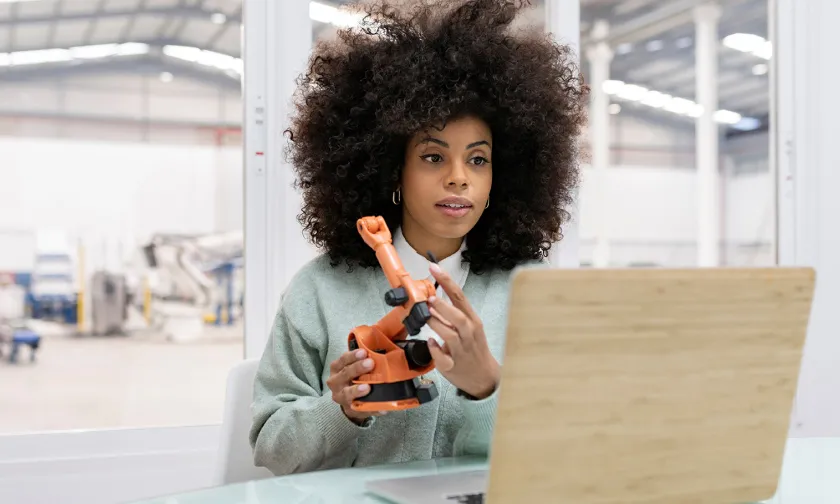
218, 18
760, 69
333, 15
750, 43
207, 58
18, 1
624, 48
632, 92
747, 124
654, 45
683, 42
727, 117
659, 100
42, 56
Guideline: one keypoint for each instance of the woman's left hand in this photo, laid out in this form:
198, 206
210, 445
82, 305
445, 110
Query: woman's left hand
465, 358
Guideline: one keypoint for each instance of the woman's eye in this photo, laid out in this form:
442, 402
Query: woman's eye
479, 161
433, 158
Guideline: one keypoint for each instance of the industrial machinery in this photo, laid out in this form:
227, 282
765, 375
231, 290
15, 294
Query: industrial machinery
399, 363
181, 286
109, 303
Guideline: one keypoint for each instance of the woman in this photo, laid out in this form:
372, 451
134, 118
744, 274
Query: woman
462, 135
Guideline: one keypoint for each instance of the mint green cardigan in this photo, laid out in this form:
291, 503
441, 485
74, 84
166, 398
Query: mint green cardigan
296, 425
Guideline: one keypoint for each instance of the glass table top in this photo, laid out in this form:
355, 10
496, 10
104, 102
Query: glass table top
810, 475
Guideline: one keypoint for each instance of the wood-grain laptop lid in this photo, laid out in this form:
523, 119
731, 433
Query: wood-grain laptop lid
648, 386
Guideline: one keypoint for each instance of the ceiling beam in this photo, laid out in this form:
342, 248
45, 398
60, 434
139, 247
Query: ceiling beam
156, 44
91, 27
7, 113
220, 32
192, 12
13, 16
672, 14
59, 4
129, 26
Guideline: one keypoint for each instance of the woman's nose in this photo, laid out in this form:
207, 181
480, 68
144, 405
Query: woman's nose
457, 175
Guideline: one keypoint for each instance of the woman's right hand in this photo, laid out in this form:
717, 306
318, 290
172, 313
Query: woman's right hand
345, 369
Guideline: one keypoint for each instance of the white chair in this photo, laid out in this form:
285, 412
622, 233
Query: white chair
236, 460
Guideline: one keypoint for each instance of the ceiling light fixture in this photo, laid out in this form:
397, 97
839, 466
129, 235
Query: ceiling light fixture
213, 59
747, 124
683, 42
760, 69
654, 45
324, 13
218, 18
659, 100
57, 55
624, 48
166, 77
750, 43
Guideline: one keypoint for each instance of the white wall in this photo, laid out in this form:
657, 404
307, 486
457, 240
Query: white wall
125, 107
652, 216
114, 194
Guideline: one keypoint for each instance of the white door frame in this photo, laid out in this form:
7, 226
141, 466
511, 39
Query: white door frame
562, 19
804, 68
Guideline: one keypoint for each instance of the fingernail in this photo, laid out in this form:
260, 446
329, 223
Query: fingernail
360, 354
368, 363
434, 268
364, 387
433, 299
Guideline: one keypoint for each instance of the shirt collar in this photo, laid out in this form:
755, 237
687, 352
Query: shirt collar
417, 265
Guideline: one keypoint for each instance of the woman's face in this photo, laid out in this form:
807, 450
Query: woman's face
446, 179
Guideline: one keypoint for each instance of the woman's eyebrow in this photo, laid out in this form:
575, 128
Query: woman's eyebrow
433, 140
476, 144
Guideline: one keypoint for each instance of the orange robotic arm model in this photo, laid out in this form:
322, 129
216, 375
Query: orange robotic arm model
395, 382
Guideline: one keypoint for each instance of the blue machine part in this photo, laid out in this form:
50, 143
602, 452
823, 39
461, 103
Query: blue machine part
24, 279
224, 275
24, 337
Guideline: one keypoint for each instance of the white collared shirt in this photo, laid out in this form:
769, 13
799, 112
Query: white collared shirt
417, 266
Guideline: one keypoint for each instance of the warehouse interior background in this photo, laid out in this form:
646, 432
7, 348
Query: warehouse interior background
121, 188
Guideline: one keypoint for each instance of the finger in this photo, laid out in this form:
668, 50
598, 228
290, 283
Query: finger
346, 359
456, 295
356, 370
355, 391
450, 336
456, 318
436, 314
443, 362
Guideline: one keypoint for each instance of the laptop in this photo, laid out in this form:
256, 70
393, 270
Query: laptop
638, 386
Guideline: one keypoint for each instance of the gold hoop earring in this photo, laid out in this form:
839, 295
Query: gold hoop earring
487, 205
396, 197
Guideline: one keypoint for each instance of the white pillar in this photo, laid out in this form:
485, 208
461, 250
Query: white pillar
600, 56
808, 183
278, 39
562, 19
708, 177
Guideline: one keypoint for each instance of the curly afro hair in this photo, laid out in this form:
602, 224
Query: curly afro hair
366, 93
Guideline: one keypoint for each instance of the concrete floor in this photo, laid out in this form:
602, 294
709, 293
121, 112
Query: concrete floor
117, 382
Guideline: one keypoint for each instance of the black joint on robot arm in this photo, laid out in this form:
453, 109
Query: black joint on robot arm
396, 296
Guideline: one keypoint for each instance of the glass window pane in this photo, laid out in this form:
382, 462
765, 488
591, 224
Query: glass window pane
121, 216
647, 199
